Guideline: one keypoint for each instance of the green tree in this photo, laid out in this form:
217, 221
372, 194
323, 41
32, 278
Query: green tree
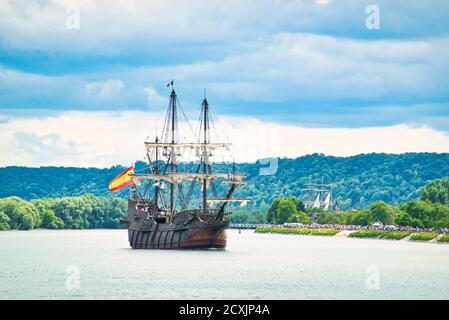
49, 220
239, 217
24, 217
272, 211
256, 217
22, 214
403, 219
286, 208
4, 221
359, 217
299, 204
443, 223
327, 218
380, 211
438, 217
280, 210
300, 217
436, 191
420, 211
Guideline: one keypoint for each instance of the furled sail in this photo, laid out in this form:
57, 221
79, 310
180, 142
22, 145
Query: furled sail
151, 145
178, 177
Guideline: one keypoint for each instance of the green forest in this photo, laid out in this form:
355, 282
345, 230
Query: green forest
430, 211
84, 212
89, 211
358, 180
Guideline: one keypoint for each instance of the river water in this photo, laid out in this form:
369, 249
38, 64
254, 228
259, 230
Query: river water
98, 264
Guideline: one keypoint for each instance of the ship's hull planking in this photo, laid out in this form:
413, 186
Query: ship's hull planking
188, 230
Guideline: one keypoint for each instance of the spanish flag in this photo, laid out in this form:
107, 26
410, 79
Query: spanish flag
122, 180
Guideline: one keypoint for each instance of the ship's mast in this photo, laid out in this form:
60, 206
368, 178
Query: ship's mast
205, 106
318, 190
171, 145
172, 150
156, 171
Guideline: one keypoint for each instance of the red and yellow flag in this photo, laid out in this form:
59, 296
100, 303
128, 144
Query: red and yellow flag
122, 180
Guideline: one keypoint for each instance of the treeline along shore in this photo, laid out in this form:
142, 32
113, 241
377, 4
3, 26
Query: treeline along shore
430, 211
425, 218
83, 212
358, 180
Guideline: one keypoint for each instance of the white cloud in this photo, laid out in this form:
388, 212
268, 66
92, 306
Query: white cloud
285, 67
45, 147
103, 139
110, 27
109, 89
3, 118
308, 67
154, 99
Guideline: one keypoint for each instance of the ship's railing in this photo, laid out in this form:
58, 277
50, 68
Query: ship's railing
149, 209
247, 225
208, 215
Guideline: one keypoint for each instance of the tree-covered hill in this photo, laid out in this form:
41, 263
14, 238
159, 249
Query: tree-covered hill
53, 182
359, 180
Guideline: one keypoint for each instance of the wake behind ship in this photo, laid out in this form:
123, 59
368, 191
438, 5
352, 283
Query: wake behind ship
162, 214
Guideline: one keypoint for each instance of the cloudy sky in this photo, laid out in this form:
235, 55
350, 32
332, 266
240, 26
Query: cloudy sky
82, 83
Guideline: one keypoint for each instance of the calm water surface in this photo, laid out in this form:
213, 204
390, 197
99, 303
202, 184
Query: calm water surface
98, 264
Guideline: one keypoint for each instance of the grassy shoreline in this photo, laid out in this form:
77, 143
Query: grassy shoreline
423, 236
380, 234
301, 231
368, 234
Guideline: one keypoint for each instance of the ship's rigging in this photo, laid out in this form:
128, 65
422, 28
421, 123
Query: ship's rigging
319, 195
164, 167
175, 217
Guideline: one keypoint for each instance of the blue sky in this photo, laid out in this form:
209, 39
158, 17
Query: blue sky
311, 64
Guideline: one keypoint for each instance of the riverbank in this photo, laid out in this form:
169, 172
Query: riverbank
362, 233
304, 231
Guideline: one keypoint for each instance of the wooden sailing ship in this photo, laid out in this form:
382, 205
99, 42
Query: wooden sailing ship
165, 218
321, 192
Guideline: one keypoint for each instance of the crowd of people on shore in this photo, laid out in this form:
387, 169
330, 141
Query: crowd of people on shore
343, 227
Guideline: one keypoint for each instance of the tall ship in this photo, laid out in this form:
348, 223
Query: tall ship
324, 196
164, 213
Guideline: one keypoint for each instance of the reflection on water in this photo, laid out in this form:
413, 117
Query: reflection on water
97, 264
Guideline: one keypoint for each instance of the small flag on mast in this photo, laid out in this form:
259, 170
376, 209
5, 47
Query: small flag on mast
337, 207
170, 84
